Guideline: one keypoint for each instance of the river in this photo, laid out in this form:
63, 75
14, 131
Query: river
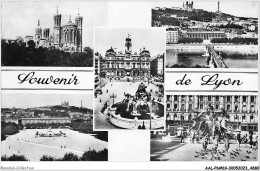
239, 61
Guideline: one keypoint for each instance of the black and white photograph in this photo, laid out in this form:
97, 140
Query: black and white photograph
215, 34
50, 127
50, 33
208, 128
129, 78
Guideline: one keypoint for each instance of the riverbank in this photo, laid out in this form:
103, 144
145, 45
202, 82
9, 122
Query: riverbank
228, 49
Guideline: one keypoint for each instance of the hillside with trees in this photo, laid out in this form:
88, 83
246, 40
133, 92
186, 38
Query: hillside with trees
198, 14
15, 53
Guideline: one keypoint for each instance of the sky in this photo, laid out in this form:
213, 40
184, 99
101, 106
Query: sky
35, 100
153, 39
237, 8
21, 18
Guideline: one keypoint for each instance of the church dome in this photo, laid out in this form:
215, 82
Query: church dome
145, 52
110, 51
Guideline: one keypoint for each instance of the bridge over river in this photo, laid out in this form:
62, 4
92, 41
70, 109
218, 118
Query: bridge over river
215, 60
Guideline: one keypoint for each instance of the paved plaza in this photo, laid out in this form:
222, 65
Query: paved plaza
118, 88
176, 151
25, 143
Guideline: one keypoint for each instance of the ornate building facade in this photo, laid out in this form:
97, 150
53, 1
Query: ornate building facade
127, 64
66, 37
241, 109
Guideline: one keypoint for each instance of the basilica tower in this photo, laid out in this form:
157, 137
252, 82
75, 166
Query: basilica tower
78, 21
57, 29
38, 32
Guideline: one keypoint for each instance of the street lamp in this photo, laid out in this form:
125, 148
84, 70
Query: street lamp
152, 101
237, 120
113, 95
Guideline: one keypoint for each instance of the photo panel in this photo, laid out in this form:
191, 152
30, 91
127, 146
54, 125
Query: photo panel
47, 58
208, 127
129, 78
56, 126
215, 34
50, 34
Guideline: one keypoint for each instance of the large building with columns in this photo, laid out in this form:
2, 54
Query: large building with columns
127, 64
241, 109
206, 35
66, 37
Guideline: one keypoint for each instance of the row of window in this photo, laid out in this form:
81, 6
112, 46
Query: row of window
128, 65
232, 118
210, 98
122, 58
205, 35
216, 107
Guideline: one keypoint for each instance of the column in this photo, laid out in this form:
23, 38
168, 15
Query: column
179, 105
187, 103
172, 102
232, 103
213, 101
248, 104
195, 101
256, 104
221, 102
240, 103
205, 101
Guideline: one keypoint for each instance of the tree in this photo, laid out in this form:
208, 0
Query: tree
11, 129
90, 155
16, 54
47, 158
14, 157
31, 44
70, 157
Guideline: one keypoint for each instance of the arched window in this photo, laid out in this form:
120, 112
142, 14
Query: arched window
65, 37
175, 116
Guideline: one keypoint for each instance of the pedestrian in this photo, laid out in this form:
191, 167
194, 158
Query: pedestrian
256, 145
205, 145
245, 140
215, 143
227, 143
251, 139
239, 138
107, 90
193, 137
182, 137
254, 137
100, 100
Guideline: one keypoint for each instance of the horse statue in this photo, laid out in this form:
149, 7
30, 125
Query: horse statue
204, 123
211, 125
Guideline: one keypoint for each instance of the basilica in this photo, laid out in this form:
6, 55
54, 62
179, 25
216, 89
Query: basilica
66, 37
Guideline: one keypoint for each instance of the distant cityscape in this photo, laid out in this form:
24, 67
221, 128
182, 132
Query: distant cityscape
60, 114
185, 22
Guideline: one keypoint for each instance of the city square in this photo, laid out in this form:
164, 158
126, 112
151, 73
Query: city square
26, 143
129, 85
188, 151
112, 92
208, 127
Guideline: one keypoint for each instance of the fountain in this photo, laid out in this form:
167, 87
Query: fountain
138, 111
